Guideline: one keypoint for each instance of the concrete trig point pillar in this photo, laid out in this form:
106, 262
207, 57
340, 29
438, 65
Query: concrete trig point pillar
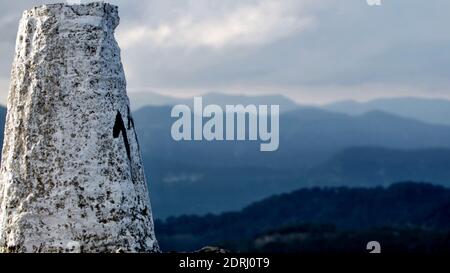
71, 172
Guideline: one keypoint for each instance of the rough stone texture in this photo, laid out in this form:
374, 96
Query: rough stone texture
71, 176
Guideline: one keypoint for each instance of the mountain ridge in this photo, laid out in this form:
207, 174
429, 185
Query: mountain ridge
401, 205
224, 171
434, 111
429, 110
180, 172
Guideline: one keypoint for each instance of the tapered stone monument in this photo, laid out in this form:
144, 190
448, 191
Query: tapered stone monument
71, 176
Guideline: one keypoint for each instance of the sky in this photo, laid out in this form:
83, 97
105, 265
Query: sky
312, 51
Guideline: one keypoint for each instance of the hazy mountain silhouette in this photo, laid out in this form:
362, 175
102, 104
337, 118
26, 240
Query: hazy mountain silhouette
315, 149
428, 110
142, 99
435, 111
200, 177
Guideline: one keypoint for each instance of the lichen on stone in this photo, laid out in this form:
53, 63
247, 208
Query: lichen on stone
66, 183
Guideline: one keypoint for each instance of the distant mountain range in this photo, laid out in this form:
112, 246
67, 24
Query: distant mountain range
427, 110
291, 222
317, 147
435, 111
142, 99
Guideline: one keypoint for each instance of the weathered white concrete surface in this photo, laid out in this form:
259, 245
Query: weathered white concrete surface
71, 174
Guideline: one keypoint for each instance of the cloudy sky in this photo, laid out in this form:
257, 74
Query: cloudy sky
313, 51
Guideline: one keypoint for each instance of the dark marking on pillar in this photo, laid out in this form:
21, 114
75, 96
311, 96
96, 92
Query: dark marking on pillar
130, 119
119, 126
